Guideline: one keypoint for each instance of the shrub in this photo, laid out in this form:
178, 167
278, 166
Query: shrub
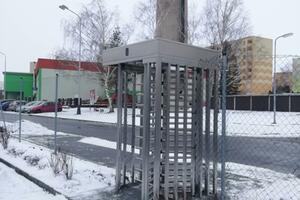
4, 137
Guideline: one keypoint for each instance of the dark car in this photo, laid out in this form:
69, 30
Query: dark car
46, 106
5, 103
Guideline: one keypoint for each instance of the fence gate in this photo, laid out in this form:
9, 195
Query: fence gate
170, 143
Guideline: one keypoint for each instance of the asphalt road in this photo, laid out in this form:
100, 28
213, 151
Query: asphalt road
279, 154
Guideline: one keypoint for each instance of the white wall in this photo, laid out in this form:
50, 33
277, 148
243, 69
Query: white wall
68, 84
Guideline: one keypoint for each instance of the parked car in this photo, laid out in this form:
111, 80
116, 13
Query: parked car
46, 106
5, 103
29, 105
13, 105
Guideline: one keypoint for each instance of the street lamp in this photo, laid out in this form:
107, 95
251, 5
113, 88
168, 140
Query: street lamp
274, 71
4, 72
64, 7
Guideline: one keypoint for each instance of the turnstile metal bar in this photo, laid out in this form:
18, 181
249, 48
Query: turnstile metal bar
119, 128
176, 131
146, 131
166, 103
215, 131
207, 131
133, 117
185, 133
157, 108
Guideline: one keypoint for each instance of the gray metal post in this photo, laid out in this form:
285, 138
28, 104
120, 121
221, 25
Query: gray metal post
223, 137
55, 118
20, 106
207, 132
146, 131
177, 92
119, 128
185, 127
215, 133
157, 110
133, 124
167, 127
124, 134
290, 103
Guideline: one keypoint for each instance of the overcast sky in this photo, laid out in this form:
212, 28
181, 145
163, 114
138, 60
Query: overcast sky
31, 29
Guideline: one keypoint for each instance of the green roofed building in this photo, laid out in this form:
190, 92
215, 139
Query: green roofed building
14, 81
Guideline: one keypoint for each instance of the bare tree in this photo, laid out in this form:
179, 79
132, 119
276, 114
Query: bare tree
145, 15
98, 25
224, 20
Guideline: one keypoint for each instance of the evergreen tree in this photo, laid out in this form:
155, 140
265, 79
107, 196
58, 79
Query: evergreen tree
116, 38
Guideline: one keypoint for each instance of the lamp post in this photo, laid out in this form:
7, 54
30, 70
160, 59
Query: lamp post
4, 72
274, 76
64, 7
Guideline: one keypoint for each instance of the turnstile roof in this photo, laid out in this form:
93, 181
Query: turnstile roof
159, 50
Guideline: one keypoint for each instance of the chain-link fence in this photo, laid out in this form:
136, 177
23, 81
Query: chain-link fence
262, 150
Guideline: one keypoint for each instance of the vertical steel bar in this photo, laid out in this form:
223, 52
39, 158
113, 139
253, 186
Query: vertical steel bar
185, 110
207, 131
124, 156
223, 138
195, 176
290, 103
20, 106
177, 90
55, 117
200, 96
157, 110
146, 132
133, 125
167, 128
157, 151
119, 128
215, 131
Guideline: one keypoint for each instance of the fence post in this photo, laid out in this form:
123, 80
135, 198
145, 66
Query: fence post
20, 106
234, 102
290, 103
250, 102
223, 136
55, 118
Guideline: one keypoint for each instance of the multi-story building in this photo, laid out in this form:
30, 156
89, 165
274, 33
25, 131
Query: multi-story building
253, 56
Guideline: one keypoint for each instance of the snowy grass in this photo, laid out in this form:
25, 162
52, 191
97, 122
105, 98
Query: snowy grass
248, 182
87, 176
15, 187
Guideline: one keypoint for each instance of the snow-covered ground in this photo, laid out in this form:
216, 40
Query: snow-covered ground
16, 187
243, 181
248, 182
239, 123
87, 114
87, 177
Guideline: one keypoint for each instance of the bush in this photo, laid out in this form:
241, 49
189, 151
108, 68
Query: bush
61, 162
4, 137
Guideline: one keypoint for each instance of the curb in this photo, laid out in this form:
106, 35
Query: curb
39, 183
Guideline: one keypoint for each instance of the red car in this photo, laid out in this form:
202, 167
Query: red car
47, 106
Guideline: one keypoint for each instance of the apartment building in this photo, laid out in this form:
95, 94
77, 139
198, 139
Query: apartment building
253, 57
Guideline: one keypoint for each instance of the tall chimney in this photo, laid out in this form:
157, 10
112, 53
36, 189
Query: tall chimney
171, 20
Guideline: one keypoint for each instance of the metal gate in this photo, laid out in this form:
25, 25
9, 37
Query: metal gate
173, 150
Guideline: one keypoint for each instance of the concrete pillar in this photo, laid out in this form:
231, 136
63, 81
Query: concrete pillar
171, 20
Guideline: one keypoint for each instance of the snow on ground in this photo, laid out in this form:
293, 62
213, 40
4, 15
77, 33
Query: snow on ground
248, 182
87, 176
87, 114
29, 128
239, 123
16, 187
259, 124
